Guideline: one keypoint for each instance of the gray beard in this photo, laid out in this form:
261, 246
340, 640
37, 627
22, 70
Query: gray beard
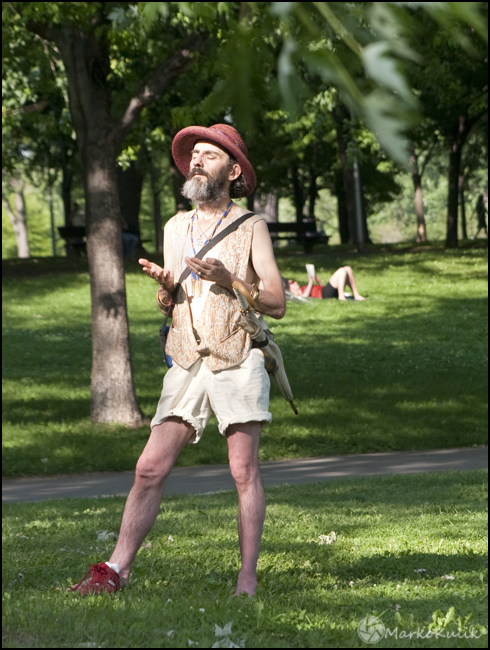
210, 191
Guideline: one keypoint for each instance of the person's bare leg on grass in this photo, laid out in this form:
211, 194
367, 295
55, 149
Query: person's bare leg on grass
342, 277
164, 445
243, 446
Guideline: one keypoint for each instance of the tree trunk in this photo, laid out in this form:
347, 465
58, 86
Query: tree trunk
456, 143
299, 196
67, 176
312, 195
113, 396
461, 181
18, 219
181, 203
156, 189
418, 197
340, 117
267, 206
130, 186
341, 208
452, 199
86, 64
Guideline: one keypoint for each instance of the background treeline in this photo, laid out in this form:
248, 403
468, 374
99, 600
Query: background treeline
339, 98
303, 142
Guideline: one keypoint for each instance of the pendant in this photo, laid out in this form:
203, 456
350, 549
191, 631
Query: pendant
196, 286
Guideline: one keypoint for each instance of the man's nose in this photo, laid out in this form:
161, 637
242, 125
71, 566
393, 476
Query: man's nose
196, 160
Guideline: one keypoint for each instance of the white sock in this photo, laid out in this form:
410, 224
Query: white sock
114, 567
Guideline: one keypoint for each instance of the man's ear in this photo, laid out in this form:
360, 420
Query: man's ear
235, 172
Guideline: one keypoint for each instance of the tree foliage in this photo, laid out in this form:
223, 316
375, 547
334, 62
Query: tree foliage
124, 77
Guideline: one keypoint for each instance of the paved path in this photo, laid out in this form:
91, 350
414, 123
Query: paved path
212, 478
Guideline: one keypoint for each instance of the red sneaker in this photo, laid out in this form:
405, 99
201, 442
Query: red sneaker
102, 579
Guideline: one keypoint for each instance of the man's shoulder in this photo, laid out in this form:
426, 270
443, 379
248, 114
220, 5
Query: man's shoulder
179, 217
240, 212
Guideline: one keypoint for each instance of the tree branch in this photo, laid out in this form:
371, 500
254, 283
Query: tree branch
158, 82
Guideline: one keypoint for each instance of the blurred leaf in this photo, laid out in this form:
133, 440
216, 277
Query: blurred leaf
382, 67
384, 117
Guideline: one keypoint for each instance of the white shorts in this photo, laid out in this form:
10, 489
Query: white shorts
236, 395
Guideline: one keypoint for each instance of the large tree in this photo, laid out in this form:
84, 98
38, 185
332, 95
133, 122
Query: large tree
103, 108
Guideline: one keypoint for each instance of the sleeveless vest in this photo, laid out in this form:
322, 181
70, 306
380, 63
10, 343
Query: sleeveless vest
222, 343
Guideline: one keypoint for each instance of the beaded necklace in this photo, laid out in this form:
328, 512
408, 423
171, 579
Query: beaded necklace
194, 218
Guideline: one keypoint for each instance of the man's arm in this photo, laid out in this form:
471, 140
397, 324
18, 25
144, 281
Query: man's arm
271, 300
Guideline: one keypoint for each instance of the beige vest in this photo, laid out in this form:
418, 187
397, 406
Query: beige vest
223, 343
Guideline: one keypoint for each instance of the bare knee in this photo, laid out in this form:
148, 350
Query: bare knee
150, 473
244, 472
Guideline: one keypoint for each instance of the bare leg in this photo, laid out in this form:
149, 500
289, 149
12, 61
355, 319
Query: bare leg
342, 277
243, 447
143, 504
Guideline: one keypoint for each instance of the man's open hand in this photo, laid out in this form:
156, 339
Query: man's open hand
162, 276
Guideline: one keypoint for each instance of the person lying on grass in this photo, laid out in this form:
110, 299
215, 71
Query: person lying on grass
335, 287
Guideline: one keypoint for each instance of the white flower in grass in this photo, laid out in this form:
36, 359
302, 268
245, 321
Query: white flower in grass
420, 570
104, 535
223, 631
171, 634
448, 577
327, 539
224, 640
170, 538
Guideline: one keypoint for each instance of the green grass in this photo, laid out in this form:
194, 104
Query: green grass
406, 369
410, 550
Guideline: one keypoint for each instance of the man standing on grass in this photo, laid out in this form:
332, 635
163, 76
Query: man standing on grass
215, 367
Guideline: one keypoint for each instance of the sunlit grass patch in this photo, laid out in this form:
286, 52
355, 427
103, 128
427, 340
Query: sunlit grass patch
409, 550
406, 369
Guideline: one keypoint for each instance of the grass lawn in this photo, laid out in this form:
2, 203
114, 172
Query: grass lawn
408, 550
406, 369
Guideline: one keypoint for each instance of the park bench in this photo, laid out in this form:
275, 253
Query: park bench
303, 233
74, 237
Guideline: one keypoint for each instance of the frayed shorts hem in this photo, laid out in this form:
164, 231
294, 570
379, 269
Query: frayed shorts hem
264, 417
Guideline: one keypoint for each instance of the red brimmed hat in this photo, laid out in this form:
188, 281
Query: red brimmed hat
222, 135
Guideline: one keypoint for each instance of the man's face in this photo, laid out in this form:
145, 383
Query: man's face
210, 174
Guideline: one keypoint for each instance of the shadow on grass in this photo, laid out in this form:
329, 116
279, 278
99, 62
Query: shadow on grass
365, 379
308, 593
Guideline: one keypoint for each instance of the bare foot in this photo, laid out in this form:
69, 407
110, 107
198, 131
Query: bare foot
246, 585
359, 297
